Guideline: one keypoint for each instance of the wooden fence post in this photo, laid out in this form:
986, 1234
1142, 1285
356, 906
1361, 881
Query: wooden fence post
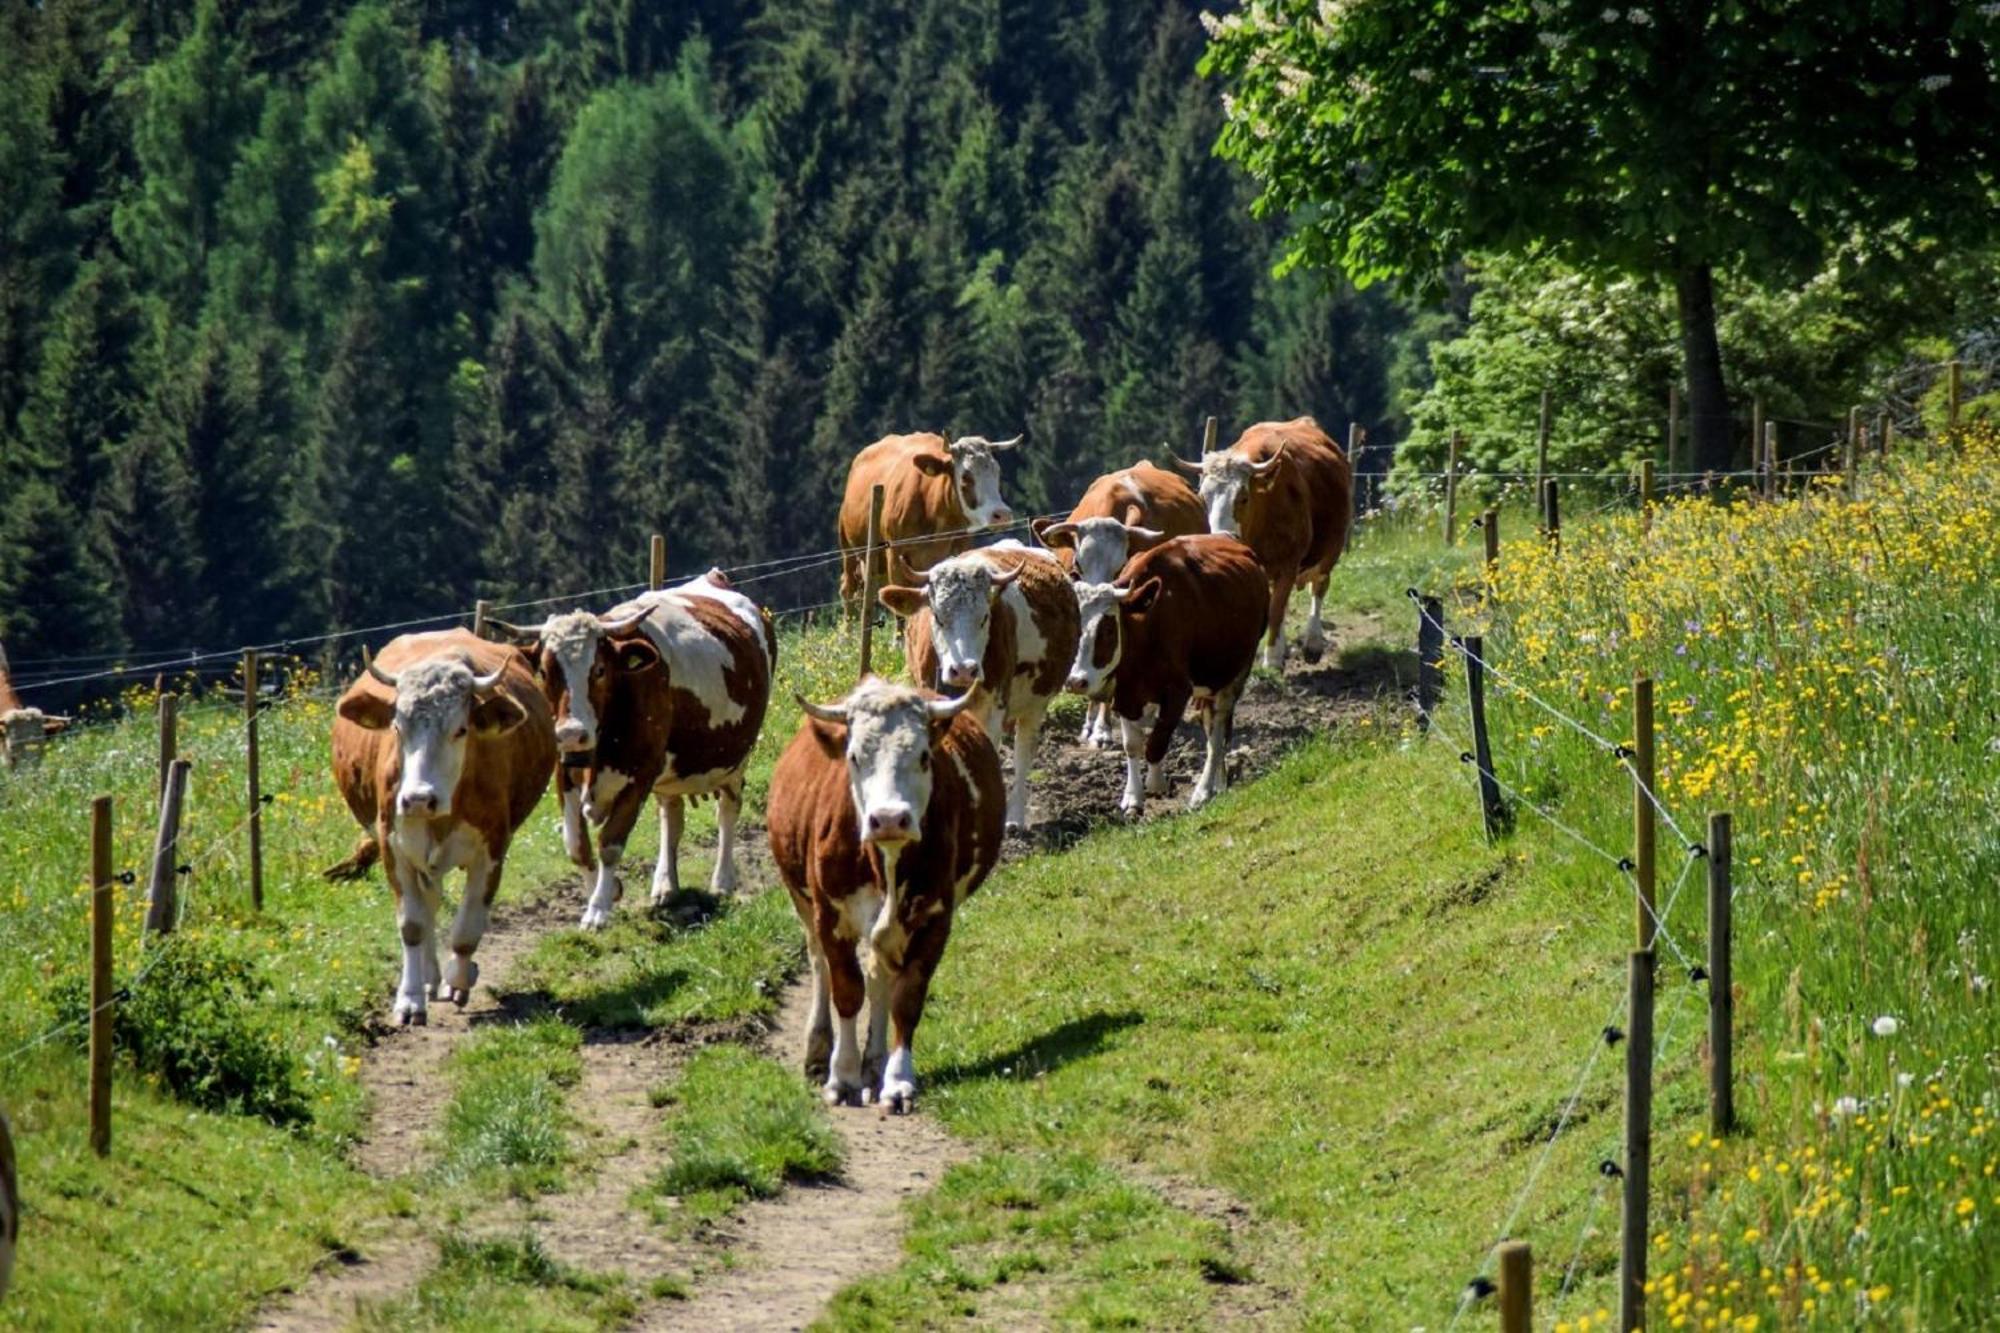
656, 563
1888, 434
1451, 488
101, 1002
1756, 431
1954, 384
1517, 1287
1430, 656
1552, 513
1882, 433
1542, 443
1209, 435
251, 781
1850, 463
482, 614
1356, 437
1638, 1141
1770, 460
1721, 993
1489, 527
170, 744
162, 891
1492, 808
1642, 807
1674, 429
1646, 494
871, 582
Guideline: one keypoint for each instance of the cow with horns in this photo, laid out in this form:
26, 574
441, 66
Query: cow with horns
441, 749
1120, 515
885, 815
1287, 491
935, 495
1179, 625
23, 730
663, 694
998, 623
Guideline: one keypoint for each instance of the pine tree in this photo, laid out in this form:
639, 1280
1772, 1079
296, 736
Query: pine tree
55, 596
36, 258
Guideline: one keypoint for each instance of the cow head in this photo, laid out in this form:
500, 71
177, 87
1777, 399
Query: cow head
1099, 547
439, 704
961, 593
1228, 480
890, 733
583, 659
22, 731
975, 477
1100, 647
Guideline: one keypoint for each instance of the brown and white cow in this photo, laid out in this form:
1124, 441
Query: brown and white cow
663, 694
1287, 490
999, 623
22, 729
1122, 514
1180, 624
885, 815
441, 749
931, 489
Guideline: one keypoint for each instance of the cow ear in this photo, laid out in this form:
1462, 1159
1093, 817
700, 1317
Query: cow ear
369, 711
933, 466
1141, 598
635, 655
905, 602
497, 714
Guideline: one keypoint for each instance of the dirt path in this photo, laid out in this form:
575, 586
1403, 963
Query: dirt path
402, 1072
790, 1255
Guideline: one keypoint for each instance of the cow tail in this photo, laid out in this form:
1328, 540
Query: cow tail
366, 853
770, 636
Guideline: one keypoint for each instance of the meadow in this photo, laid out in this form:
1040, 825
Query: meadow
1295, 1058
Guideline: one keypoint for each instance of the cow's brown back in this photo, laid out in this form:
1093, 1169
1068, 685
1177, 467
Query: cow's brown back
1303, 518
1204, 626
1143, 496
914, 503
9, 701
504, 776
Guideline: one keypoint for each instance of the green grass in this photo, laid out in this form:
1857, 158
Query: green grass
510, 1283
1019, 1239
508, 1112
644, 972
743, 1126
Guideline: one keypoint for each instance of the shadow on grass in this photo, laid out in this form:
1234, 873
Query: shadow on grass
1072, 1040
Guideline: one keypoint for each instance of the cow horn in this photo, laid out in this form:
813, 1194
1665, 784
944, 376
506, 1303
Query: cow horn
1142, 539
381, 676
997, 445
1259, 469
487, 681
836, 713
518, 633
626, 624
1186, 466
1055, 534
945, 709
1003, 577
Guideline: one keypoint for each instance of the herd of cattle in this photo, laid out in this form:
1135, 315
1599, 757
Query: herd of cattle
889, 806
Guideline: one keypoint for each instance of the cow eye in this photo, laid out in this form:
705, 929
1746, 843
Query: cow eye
462, 732
924, 761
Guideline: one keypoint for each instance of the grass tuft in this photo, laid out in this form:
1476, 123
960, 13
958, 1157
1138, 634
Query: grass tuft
743, 1126
507, 1112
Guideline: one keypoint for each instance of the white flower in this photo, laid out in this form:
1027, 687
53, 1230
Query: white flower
1638, 18
1210, 23
1609, 16
1847, 1106
1422, 74
1980, 984
1555, 41
1905, 1080
1935, 83
1886, 1026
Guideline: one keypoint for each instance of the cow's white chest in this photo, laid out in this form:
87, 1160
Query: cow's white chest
433, 848
604, 789
858, 913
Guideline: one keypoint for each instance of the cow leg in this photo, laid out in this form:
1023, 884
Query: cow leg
604, 895
906, 1008
482, 881
1027, 739
416, 915
1097, 732
1314, 642
1171, 710
819, 1023
1281, 596
876, 1052
667, 870
576, 836
1134, 734
728, 805
846, 988
850, 583
1218, 723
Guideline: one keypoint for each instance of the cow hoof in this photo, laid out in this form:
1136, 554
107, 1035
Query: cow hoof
724, 883
842, 1094
460, 975
1199, 797
1017, 827
898, 1097
1131, 809
662, 894
595, 918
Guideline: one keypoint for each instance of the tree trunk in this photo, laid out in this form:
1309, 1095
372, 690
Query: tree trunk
1708, 399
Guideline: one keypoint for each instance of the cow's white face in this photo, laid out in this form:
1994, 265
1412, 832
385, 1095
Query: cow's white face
437, 710
1101, 639
975, 471
890, 732
570, 651
1225, 483
961, 594
1103, 546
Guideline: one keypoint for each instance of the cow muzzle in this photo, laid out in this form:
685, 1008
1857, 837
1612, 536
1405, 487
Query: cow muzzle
572, 737
961, 675
420, 800
890, 825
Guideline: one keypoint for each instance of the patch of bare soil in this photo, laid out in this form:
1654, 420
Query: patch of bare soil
788, 1256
